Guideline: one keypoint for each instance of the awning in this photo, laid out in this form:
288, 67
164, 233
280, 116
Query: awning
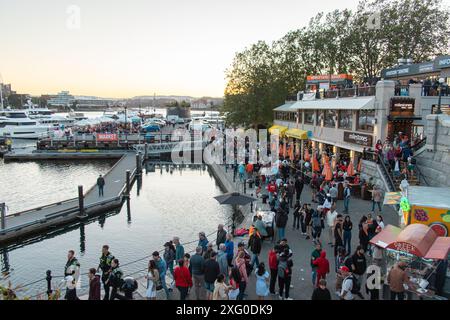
387, 236
297, 134
439, 249
285, 107
360, 103
281, 129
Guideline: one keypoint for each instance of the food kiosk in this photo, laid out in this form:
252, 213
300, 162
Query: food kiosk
424, 252
424, 205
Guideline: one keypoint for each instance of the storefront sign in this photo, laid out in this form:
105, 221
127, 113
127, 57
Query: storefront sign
406, 248
402, 105
358, 138
442, 62
107, 137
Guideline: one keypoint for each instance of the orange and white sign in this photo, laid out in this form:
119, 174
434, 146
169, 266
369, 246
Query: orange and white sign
107, 137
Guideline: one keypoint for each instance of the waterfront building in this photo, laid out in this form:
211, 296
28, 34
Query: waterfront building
62, 99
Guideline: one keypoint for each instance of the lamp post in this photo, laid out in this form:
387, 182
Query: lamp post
441, 82
126, 123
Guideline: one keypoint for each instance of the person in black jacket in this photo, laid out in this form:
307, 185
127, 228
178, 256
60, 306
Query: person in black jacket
321, 292
298, 187
281, 219
212, 270
255, 248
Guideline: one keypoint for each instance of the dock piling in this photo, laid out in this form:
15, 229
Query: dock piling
3, 214
128, 175
146, 151
49, 282
81, 200
138, 164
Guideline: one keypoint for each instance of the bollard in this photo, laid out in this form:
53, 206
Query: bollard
245, 186
128, 174
146, 151
138, 164
81, 200
3, 214
49, 283
251, 205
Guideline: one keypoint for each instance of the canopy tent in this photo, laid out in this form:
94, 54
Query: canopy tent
281, 129
416, 239
297, 134
360, 103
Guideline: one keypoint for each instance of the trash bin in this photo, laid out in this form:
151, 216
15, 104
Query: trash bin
250, 183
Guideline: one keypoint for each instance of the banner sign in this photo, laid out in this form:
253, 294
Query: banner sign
107, 137
358, 138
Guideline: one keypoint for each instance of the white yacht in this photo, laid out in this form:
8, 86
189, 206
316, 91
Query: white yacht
110, 113
76, 116
57, 121
16, 124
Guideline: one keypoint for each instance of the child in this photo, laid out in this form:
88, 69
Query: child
262, 276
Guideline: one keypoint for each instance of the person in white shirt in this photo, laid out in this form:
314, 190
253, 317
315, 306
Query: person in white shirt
331, 219
347, 284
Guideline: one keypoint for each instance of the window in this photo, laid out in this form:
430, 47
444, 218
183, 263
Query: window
365, 118
345, 119
309, 116
330, 118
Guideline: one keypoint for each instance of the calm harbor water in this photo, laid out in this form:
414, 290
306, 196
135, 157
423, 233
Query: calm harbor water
169, 201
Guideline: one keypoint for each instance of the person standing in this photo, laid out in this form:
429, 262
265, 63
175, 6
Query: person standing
229, 249
397, 279
296, 214
115, 280
198, 273
203, 241
333, 193
255, 247
182, 278
377, 195
241, 265
162, 268
298, 187
290, 190
100, 185
212, 270
220, 288
153, 280
222, 260
169, 256
323, 267
321, 292
273, 266
262, 276
179, 249
94, 284
235, 279
331, 216
285, 265
71, 273
221, 235
347, 227
105, 265
281, 219
338, 234
346, 197
347, 284
314, 255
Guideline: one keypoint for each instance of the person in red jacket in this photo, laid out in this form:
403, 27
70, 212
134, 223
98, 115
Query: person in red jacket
323, 266
183, 280
273, 266
94, 284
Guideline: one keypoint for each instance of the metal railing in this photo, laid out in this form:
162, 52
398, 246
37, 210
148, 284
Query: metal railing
401, 90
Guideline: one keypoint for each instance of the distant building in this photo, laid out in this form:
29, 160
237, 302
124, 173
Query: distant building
62, 99
6, 90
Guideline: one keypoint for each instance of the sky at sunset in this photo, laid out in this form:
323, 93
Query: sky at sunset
134, 47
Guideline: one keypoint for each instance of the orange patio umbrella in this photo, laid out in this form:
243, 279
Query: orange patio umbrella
327, 172
291, 153
315, 164
351, 169
333, 163
359, 165
307, 155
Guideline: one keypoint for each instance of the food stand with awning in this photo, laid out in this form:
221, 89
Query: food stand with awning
297, 134
281, 129
420, 247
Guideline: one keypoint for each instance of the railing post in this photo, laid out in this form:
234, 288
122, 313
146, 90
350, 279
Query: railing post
138, 164
128, 174
251, 205
3, 215
81, 200
49, 283
146, 151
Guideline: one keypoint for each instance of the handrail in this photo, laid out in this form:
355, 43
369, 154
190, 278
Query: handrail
386, 172
420, 174
419, 144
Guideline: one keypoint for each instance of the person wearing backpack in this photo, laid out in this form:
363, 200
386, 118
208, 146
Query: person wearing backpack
314, 255
348, 284
281, 219
285, 265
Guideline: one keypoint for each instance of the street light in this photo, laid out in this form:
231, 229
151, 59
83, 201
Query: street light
441, 82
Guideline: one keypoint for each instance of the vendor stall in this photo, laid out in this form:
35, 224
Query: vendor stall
424, 252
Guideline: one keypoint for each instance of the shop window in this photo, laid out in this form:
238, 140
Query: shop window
310, 116
365, 120
345, 119
329, 118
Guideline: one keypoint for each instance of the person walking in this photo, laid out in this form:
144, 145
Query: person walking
321, 292
262, 278
377, 195
331, 216
153, 280
212, 270
241, 265
198, 273
285, 265
179, 249
299, 183
100, 185
347, 227
229, 249
316, 224
182, 278
397, 279
323, 267
338, 234
220, 288
115, 280
105, 266
94, 284
162, 268
169, 256
72, 274
333, 193
296, 214
221, 235
314, 255
364, 233
347, 284
255, 247
290, 190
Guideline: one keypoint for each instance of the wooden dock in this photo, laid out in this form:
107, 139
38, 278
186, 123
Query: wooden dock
29, 222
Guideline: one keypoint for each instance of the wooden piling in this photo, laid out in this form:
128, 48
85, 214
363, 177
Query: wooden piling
81, 200
3, 214
128, 176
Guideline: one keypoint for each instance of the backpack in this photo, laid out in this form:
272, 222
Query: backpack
282, 269
316, 221
356, 285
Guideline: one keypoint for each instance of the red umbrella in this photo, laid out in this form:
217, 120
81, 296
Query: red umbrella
350, 169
